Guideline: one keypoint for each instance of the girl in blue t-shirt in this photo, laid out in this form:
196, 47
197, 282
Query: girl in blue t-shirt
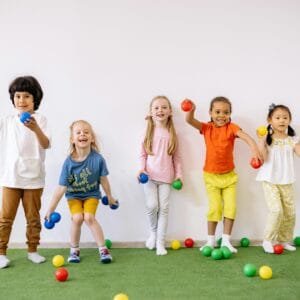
82, 173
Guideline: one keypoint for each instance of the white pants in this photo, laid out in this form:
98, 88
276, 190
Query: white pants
157, 207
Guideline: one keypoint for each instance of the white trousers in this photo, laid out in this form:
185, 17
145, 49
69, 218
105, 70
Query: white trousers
157, 207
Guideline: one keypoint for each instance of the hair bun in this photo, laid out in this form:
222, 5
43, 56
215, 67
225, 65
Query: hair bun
272, 106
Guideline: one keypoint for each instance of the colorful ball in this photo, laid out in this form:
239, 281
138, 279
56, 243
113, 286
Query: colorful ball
262, 131
177, 184
186, 105
115, 206
189, 243
249, 270
278, 248
245, 242
217, 254
206, 251
143, 178
175, 245
226, 253
265, 272
55, 217
25, 116
58, 261
297, 241
104, 200
255, 163
61, 274
49, 224
108, 243
121, 296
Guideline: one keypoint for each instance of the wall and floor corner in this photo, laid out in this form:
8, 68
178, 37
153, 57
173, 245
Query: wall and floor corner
104, 61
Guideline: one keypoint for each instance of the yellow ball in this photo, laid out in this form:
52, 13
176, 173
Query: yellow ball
58, 261
262, 130
175, 245
265, 272
121, 297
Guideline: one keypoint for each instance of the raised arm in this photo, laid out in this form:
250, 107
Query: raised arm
190, 119
34, 126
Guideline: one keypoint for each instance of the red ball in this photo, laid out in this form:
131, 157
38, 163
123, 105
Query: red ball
278, 249
61, 274
189, 243
186, 105
255, 163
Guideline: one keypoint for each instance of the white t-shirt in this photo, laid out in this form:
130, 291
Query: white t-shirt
279, 166
21, 157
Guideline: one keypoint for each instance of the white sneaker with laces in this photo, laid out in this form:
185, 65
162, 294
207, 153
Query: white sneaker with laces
289, 247
36, 258
4, 261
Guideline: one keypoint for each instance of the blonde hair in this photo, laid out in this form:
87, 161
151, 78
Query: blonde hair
94, 144
148, 140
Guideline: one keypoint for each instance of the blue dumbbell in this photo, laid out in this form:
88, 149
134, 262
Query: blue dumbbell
55, 217
115, 206
104, 200
49, 224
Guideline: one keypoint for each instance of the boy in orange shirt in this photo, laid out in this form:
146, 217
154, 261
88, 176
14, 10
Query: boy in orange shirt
219, 176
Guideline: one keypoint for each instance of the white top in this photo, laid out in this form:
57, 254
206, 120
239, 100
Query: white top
21, 157
279, 166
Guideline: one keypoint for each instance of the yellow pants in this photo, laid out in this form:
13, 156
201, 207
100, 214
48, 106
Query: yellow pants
281, 218
221, 192
77, 206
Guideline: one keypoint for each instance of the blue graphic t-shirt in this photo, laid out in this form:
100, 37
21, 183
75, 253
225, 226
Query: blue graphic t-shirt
82, 179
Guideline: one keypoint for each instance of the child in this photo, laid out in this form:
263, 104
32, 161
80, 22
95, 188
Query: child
161, 162
277, 176
22, 172
219, 176
82, 173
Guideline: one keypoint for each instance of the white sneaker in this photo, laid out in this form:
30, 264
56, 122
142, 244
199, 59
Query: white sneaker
229, 246
150, 243
4, 261
289, 247
160, 249
36, 258
268, 247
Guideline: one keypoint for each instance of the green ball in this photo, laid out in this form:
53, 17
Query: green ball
177, 184
108, 243
297, 241
245, 242
219, 242
217, 254
206, 251
226, 252
249, 270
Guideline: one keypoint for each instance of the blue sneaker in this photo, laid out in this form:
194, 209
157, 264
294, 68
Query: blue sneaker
105, 256
74, 257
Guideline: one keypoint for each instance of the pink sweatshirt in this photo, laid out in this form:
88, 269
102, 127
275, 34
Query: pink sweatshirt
161, 166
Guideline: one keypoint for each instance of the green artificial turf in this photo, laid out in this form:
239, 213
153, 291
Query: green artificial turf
139, 273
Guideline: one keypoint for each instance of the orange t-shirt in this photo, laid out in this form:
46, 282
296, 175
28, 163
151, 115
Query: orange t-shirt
219, 147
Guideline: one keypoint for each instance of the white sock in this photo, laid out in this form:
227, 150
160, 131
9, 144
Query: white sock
4, 261
226, 243
150, 243
160, 248
210, 242
35, 257
289, 247
268, 247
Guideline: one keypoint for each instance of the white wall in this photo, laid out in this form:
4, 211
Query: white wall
104, 60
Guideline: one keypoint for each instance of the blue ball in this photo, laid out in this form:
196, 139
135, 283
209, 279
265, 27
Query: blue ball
143, 178
25, 116
114, 206
55, 217
49, 224
104, 200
